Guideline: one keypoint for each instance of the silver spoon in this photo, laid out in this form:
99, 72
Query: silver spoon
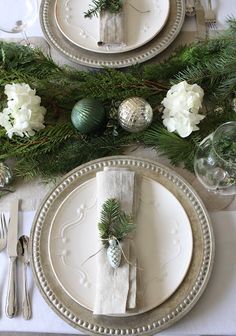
23, 254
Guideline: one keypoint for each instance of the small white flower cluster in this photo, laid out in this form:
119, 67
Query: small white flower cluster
182, 104
23, 114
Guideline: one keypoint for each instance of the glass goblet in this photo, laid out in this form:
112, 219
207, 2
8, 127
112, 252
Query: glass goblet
215, 160
17, 15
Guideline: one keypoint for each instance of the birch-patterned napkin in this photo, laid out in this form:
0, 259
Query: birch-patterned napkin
112, 29
116, 288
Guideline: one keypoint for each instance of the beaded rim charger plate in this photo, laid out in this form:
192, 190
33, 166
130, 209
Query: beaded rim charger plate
160, 317
88, 58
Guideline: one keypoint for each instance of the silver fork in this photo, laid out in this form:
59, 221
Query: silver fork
3, 232
210, 16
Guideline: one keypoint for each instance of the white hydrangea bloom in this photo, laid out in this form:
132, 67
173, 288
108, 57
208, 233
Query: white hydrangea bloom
182, 104
23, 115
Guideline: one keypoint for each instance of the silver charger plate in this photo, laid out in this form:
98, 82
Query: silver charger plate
119, 60
164, 315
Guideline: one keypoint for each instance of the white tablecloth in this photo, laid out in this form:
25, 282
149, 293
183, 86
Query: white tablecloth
214, 314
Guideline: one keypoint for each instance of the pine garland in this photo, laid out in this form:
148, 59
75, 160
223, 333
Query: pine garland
59, 147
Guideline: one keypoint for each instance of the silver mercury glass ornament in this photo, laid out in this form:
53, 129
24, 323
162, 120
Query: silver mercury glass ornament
135, 114
5, 175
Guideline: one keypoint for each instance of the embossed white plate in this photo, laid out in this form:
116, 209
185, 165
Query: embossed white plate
144, 19
163, 241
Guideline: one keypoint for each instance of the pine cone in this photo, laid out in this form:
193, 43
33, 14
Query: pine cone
114, 253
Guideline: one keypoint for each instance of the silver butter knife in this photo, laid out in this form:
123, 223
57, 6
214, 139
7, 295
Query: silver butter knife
200, 20
12, 238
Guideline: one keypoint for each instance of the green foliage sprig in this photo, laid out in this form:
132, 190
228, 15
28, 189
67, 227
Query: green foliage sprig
59, 147
226, 148
113, 6
114, 222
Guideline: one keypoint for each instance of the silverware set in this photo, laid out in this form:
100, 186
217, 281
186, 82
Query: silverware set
210, 16
205, 18
16, 248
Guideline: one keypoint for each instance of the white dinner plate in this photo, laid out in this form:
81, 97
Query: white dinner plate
163, 242
144, 19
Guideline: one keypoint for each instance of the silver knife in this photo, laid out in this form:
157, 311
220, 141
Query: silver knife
200, 20
12, 238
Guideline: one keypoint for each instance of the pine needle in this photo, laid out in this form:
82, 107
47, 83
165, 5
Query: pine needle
177, 149
114, 222
97, 6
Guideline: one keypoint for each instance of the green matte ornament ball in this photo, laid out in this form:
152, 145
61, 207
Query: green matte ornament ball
88, 115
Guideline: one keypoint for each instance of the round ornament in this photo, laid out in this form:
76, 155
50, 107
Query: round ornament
5, 175
87, 115
135, 114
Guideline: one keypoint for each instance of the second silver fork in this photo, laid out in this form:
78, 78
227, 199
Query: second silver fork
210, 16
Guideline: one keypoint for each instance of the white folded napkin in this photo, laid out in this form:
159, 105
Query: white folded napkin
112, 29
116, 288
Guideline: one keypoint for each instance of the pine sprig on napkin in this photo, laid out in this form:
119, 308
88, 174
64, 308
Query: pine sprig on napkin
113, 6
114, 222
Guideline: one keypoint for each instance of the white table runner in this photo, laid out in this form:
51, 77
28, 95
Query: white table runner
214, 314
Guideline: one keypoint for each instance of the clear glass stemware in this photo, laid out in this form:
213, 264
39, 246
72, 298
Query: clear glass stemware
215, 160
17, 15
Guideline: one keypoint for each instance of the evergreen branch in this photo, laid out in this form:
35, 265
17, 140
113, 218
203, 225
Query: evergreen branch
3, 193
70, 154
114, 222
124, 226
28, 169
214, 68
113, 6
178, 150
43, 142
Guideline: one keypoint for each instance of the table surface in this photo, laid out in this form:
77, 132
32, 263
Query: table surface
208, 317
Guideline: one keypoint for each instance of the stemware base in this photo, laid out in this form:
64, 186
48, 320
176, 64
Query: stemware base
213, 201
